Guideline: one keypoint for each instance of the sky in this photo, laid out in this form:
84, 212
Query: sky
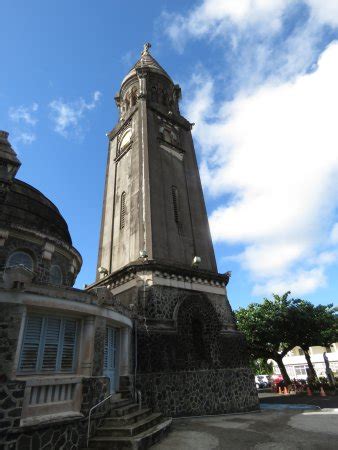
259, 79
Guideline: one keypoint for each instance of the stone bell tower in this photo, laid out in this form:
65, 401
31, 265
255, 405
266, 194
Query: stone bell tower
156, 254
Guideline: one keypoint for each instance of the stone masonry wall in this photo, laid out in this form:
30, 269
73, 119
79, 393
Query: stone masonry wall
10, 322
202, 392
11, 400
190, 358
68, 434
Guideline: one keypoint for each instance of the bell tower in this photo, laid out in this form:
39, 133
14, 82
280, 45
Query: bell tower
153, 199
156, 257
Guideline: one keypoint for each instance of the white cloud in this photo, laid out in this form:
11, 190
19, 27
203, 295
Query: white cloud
24, 114
215, 18
25, 138
299, 283
324, 11
270, 154
26, 120
334, 234
68, 115
274, 152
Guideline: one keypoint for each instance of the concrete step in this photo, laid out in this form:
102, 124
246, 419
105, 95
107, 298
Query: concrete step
130, 429
127, 418
122, 410
141, 441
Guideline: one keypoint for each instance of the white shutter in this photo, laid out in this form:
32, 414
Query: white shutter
30, 346
51, 344
68, 344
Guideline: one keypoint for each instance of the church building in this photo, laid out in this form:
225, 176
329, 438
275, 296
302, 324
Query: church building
154, 336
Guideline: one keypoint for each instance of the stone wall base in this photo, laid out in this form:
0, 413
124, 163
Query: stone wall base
199, 392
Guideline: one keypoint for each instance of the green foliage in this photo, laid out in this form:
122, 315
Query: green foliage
265, 326
312, 325
274, 327
260, 366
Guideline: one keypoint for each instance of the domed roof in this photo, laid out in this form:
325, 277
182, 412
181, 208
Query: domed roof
21, 204
25, 206
148, 61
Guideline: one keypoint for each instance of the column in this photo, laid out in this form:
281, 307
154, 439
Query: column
87, 346
124, 351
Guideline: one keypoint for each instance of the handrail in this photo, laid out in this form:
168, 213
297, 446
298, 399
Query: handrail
139, 399
90, 412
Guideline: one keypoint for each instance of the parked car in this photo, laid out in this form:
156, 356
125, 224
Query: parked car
262, 381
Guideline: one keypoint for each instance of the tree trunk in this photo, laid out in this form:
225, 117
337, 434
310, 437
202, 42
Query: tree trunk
312, 373
279, 360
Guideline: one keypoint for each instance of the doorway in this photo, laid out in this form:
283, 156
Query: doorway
111, 357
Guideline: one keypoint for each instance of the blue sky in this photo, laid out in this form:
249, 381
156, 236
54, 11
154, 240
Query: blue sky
259, 80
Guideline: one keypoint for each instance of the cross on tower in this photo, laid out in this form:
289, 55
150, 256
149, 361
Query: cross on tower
146, 48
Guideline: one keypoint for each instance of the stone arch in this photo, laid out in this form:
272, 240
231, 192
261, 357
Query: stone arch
198, 329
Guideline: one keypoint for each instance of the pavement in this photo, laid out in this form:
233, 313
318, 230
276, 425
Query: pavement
282, 424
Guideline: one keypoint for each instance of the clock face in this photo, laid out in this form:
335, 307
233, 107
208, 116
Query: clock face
126, 138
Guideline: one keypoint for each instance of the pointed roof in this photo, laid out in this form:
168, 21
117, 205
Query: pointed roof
147, 61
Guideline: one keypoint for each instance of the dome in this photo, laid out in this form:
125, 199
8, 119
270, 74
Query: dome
27, 207
146, 61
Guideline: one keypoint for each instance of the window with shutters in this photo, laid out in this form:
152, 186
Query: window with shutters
174, 193
48, 345
123, 210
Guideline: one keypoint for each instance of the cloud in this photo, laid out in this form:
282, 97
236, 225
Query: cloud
273, 154
24, 114
26, 120
67, 116
265, 127
23, 137
219, 18
299, 283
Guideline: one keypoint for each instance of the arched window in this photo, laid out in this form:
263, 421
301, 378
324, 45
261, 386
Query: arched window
20, 258
174, 194
123, 210
55, 275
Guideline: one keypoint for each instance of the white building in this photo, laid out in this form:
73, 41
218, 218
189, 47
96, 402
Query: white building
296, 364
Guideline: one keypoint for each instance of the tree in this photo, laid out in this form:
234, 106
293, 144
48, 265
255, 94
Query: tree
266, 327
312, 325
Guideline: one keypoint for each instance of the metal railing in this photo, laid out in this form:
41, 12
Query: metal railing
90, 413
139, 399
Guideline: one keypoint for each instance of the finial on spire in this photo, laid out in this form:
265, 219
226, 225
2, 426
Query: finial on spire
146, 48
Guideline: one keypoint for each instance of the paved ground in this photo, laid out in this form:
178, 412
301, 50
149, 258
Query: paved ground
270, 429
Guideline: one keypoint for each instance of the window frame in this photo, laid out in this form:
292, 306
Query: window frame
38, 369
60, 273
24, 252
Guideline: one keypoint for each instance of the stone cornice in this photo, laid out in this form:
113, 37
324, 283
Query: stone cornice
163, 271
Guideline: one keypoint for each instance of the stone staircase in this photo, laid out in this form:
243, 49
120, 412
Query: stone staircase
129, 427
